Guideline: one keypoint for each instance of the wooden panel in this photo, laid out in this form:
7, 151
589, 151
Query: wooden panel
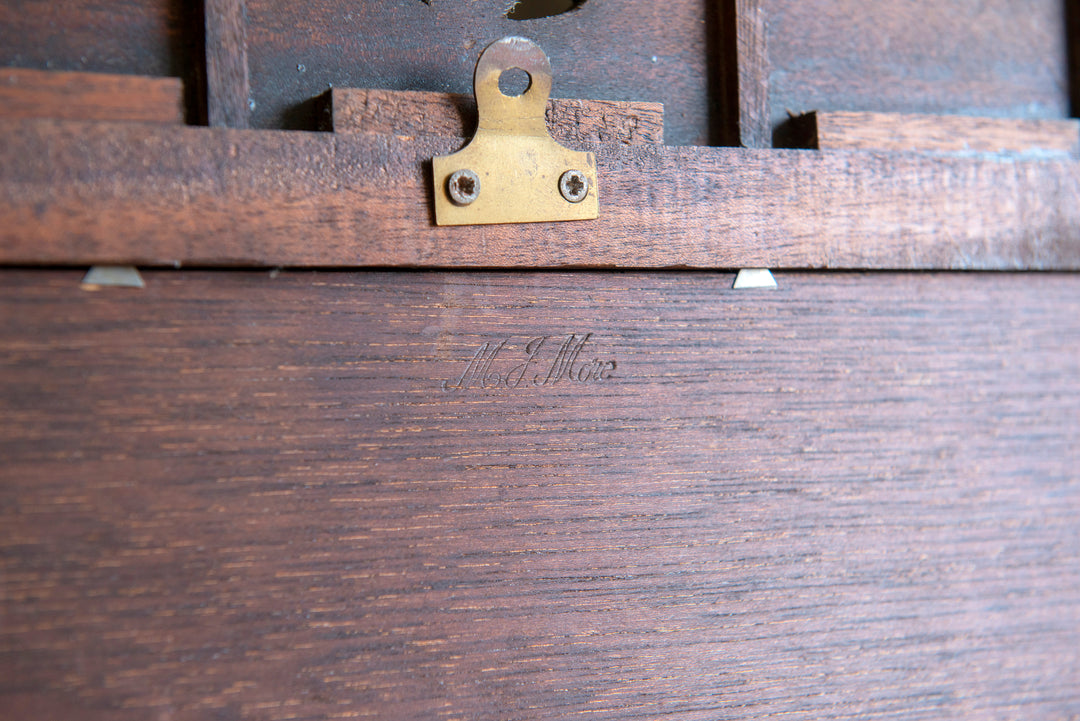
942, 134
611, 50
396, 112
992, 58
123, 36
90, 96
228, 93
245, 496
78, 193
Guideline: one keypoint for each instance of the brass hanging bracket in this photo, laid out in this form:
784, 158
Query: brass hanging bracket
512, 171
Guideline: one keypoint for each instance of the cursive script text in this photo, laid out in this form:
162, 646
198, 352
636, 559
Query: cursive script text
534, 363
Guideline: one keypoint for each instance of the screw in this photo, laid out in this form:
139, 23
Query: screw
574, 186
464, 186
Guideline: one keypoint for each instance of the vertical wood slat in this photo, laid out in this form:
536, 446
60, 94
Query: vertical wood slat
1072, 42
753, 74
227, 80
743, 71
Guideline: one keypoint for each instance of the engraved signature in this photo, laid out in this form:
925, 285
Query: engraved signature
538, 362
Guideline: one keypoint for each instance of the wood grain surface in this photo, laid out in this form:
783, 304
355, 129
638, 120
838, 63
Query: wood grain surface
28, 93
988, 58
400, 112
228, 91
611, 50
246, 495
140, 37
128, 37
745, 77
86, 193
942, 134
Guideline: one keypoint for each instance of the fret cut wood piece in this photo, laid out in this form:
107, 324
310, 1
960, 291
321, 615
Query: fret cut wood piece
100, 193
227, 75
26, 93
611, 49
411, 113
952, 134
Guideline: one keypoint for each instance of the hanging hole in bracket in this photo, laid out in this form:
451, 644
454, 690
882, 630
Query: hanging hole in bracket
514, 82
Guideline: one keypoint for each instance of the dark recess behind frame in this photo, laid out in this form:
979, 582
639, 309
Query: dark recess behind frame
533, 9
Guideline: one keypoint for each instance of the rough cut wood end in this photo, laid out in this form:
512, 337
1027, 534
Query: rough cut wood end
412, 113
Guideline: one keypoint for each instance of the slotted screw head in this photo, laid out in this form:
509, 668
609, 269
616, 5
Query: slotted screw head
574, 186
463, 186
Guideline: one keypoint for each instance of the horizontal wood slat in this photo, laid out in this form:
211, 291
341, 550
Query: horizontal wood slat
941, 134
234, 495
451, 115
79, 193
28, 93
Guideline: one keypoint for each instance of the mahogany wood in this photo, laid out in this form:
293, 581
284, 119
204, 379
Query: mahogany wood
326, 495
228, 90
85, 193
941, 134
988, 58
395, 112
90, 96
235, 495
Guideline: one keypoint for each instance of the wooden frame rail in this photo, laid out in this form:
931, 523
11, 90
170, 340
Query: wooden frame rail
83, 193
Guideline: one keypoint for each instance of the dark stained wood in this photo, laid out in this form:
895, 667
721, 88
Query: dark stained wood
988, 58
396, 112
234, 495
85, 193
227, 83
609, 49
942, 134
90, 96
122, 36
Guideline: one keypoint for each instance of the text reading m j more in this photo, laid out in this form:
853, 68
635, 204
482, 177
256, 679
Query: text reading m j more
532, 363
